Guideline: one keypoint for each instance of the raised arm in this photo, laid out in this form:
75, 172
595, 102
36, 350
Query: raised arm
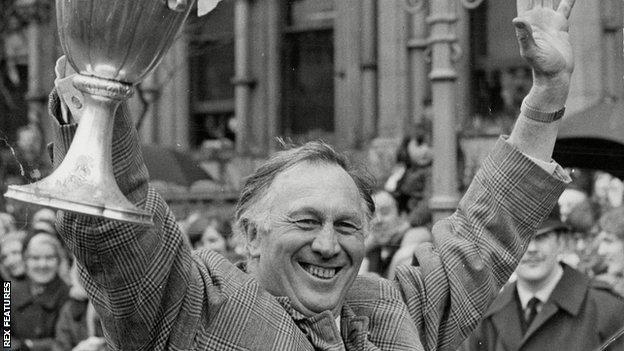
543, 39
137, 277
476, 249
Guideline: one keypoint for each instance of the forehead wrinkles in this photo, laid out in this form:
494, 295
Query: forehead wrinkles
301, 183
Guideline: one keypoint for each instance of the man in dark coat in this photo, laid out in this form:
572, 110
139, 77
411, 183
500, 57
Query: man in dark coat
551, 306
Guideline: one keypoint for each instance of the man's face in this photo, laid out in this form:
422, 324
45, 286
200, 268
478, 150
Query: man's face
314, 245
386, 220
611, 250
540, 260
42, 261
11, 256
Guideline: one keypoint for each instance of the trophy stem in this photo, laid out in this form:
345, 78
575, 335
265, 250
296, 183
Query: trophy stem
84, 182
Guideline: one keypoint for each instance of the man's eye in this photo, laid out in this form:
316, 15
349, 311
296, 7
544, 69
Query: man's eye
347, 227
307, 223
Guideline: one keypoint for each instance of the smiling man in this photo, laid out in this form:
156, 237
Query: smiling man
308, 242
305, 215
547, 302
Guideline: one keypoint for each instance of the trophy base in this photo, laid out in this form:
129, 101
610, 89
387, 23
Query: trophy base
69, 200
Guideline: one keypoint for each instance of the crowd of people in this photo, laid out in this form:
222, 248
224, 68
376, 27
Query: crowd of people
51, 310
584, 232
316, 256
48, 303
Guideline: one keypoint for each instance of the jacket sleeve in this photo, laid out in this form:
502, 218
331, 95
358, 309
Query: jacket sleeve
475, 250
137, 277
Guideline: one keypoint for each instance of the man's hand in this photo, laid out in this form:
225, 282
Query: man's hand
542, 32
544, 42
543, 37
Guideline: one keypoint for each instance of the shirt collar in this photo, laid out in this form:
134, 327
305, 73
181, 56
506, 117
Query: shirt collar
542, 294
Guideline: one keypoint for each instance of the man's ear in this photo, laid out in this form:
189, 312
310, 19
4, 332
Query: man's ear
253, 238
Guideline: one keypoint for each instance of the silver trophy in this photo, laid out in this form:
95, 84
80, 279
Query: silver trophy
112, 45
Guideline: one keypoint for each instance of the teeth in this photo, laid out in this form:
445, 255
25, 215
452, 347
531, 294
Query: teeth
319, 272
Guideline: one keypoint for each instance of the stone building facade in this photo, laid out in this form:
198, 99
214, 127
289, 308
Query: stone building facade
356, 73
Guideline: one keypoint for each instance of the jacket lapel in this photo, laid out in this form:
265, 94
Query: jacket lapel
548, 310
568, 297
505, 318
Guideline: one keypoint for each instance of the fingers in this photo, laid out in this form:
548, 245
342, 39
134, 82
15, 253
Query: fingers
524, 33
548, 4
524, 5
565, 7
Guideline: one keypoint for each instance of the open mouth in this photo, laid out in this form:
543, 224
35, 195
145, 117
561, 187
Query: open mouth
320, 272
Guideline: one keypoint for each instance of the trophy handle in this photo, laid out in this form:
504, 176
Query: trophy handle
84, 182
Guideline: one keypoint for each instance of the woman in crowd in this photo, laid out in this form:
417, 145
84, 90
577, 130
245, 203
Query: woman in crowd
610, 248
42, 222
391, 234
218, 237
36, 301
12, 265
213, 240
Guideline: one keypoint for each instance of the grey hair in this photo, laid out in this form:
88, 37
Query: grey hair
257, 184
44, 238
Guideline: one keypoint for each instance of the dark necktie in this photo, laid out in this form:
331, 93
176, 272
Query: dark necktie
532, 310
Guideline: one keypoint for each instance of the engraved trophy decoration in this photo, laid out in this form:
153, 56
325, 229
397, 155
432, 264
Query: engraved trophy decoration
112, 44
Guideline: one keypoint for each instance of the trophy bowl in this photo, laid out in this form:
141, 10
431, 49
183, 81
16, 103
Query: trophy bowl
120, 40
112, 44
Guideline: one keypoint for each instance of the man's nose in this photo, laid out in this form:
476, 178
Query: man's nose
326, 242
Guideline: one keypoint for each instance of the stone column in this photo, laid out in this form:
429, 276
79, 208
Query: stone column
274, 14
42, 55
348, 74
443, 41
611, 18
417, 55
369, 71
242, 80
392, 87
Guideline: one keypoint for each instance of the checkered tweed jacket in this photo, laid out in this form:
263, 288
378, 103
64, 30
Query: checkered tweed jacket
153, 293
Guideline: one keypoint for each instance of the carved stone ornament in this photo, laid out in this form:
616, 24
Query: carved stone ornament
471, 4
18, 14
414, 6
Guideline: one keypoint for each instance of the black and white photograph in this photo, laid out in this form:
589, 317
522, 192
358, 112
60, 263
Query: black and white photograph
312, 175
